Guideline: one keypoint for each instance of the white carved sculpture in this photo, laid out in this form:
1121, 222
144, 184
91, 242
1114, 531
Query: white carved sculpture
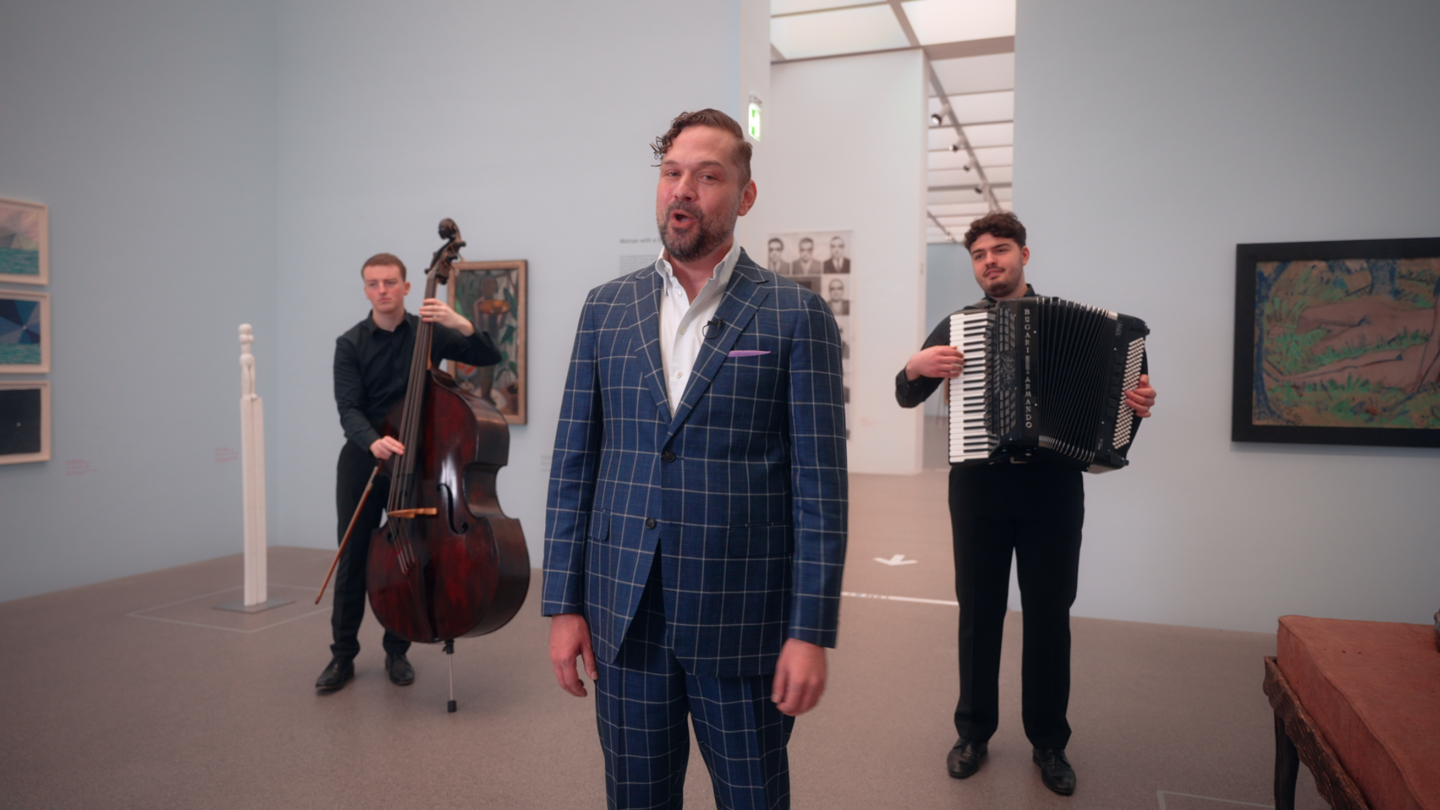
252, 462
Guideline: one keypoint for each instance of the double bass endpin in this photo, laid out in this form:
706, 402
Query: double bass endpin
450, 656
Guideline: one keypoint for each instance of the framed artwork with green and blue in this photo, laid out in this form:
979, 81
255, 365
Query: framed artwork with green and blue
1338, 342
24, 332
24, 243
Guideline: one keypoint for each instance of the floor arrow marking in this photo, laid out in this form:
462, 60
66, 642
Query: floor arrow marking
898, 559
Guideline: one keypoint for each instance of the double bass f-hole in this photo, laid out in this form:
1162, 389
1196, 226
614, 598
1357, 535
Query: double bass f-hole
444, 490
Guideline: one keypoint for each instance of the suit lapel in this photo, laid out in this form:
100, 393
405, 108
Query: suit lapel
647, 328
747, 290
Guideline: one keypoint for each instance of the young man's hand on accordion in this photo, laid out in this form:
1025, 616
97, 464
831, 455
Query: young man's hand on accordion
938, 362
1142, 397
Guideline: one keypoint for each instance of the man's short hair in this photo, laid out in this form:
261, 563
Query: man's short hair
807, 241
775, 241
384, 260
999, 224
835, 239
707, 118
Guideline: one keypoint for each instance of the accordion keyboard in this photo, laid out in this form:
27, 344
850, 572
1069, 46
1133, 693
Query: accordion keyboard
968, 436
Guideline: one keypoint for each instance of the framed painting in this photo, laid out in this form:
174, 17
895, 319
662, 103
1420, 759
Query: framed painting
24, 422
492, 296
24, 332
24, 243
1338, 343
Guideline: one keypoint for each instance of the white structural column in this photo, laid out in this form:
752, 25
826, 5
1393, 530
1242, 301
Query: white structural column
869, 177
252, 461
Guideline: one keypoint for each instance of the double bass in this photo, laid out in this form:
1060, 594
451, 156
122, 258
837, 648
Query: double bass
447, 562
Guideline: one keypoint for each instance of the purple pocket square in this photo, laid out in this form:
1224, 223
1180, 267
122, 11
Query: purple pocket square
747, 353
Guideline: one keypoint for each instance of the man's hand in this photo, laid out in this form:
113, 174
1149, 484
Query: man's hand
936, 361
569, 638
1142, 398
385, 447
799, 677
435, 311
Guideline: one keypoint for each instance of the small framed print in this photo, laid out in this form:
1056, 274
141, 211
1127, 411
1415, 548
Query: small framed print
24, 332
24, 421
24, 243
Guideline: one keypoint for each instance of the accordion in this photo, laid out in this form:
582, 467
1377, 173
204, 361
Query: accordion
1045, 379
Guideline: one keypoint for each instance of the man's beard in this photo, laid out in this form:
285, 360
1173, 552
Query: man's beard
707, 235
1003, 287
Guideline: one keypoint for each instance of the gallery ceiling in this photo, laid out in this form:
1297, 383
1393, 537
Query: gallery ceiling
970, 45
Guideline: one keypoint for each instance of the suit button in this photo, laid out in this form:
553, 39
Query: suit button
649, 523
667, 456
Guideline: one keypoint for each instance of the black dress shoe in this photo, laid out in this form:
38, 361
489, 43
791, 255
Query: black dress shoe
399, 670
335, 675
1055, 770
964, 758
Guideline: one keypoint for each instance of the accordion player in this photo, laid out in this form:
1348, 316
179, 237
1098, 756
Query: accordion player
1045, 379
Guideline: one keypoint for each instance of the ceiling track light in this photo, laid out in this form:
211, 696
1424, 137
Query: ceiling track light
955, 147
936, 119
966, 167
979, 190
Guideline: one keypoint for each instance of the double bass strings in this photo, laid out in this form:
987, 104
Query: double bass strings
409, 434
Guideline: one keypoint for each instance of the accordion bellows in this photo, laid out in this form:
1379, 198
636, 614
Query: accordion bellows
1045, 379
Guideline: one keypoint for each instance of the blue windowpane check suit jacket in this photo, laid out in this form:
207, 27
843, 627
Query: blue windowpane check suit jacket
743, 491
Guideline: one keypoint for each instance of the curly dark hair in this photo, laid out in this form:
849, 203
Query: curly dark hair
707, 118
999, 224
384, 260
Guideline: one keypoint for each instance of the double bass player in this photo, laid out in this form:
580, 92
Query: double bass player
372, 362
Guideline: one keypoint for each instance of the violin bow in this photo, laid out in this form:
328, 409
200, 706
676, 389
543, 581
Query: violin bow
369, 485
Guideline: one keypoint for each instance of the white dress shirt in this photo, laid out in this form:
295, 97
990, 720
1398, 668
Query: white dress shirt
682, 321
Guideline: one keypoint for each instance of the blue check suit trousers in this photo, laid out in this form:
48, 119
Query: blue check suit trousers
642, 700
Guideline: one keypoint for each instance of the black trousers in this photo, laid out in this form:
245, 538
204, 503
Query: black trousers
1036, 512
351, 473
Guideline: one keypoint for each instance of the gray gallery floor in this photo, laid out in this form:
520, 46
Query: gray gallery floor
137, 693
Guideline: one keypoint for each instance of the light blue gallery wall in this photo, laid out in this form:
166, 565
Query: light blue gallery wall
949, 285
1151, 138
148, 128
209, 163
528, 127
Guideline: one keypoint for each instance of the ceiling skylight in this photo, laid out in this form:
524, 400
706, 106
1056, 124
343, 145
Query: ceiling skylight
937, 21
826, 33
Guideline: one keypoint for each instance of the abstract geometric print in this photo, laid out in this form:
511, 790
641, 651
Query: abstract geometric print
19, 321
19, 332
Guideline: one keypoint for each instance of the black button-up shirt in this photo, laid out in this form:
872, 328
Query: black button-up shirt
372, 368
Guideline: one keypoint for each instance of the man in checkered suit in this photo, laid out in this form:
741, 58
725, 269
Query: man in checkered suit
696, 524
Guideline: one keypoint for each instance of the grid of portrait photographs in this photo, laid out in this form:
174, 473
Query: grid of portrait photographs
820, 261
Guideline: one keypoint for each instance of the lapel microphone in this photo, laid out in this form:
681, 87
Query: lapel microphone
713, 327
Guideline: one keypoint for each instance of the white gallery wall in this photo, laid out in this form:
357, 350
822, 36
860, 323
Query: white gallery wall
149, 129
1150, 140
844, 146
